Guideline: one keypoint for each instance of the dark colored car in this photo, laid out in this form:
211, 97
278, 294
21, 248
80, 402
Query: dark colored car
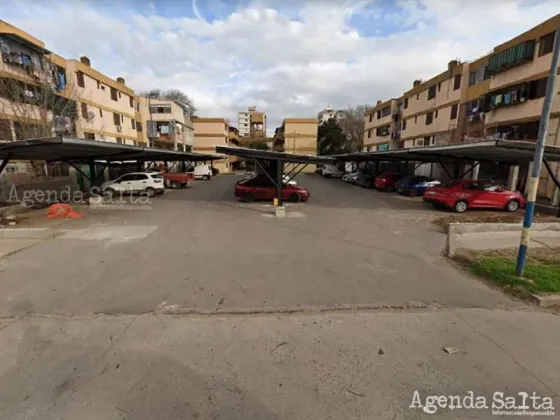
387, 181
261, 188
415, 185
365, 179
465, 194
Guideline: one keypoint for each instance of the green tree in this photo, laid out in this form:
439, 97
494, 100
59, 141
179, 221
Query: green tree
331, 139
256, 144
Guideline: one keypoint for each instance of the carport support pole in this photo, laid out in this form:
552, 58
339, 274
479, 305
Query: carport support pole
537, 161
279, 171
5, 162
92, 177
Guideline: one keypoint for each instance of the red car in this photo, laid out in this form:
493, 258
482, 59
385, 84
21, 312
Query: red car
387, 181
262, 188
467, 194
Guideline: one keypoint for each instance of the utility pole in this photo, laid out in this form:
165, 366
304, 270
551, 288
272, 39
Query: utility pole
537, 161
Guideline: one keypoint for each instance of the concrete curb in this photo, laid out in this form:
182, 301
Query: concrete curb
26, 233
547, 301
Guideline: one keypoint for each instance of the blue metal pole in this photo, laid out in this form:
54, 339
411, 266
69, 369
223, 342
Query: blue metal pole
537, 161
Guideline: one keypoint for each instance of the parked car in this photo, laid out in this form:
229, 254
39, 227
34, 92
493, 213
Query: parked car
177, 179
415, 185
387, 181
461, 195
203, 172
330, 170
365, 179
149, 183
261, 187
350, 177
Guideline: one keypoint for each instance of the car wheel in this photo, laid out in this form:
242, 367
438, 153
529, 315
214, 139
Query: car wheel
206, 177
109, 192
461, 206
175, 184
512, 205
412, 193
436, 206
248, 198
150, 192
389, 189
294, 198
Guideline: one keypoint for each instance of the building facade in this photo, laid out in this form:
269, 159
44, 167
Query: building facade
209, 133
298, 136
252, 123
167, 124
497, 96
328, 113
382, 126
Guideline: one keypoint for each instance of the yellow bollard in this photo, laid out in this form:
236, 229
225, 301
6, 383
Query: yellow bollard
275, 202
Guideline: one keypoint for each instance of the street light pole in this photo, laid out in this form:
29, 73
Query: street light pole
537, 161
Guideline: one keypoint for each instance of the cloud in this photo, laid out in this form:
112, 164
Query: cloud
288, 58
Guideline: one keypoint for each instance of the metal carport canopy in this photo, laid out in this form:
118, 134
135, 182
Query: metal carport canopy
55, 149
276, 156
506, 151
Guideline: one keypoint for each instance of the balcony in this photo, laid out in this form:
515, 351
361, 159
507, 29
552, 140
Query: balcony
513, 56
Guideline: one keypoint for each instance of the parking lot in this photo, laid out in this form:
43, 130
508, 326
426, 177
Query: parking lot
206, 307
200, 250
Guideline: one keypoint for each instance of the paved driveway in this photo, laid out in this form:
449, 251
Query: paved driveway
200, 250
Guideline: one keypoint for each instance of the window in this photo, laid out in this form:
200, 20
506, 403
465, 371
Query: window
116, 118
370, 117
119, 140
119, 92
98, 84
80, 79
546, 44
133, 123
122, 118
472, 78
457, 82
439, 86
84, 110
100, 112
405, 103
126, 178
386, 111
141, 177
114, 94
369, 133
89, 136
403, 125
137, 107
415, 119
131, 102
139, 126
436, 114
160, 109
454, 109
417, 96
432, 92
537, 88
429, 118
379, 114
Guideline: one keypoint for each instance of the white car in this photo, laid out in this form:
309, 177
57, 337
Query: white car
149, 183
203, 172
330, 170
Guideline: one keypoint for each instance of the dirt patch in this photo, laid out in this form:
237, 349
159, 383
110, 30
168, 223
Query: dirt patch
490, 217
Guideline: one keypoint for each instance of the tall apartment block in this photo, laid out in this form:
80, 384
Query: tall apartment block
298, 136
252, 123
498, 96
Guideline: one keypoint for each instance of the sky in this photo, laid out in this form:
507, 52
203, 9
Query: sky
289, 58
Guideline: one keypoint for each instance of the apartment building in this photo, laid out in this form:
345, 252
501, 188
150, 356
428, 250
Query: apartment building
382, 126
209, 133
430, 109
252, 123
167, 124
298, 136
328, 113
107, 108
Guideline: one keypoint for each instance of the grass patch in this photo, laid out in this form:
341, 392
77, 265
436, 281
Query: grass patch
542, 273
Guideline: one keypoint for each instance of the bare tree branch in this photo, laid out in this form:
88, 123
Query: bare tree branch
172, 95
353, 125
